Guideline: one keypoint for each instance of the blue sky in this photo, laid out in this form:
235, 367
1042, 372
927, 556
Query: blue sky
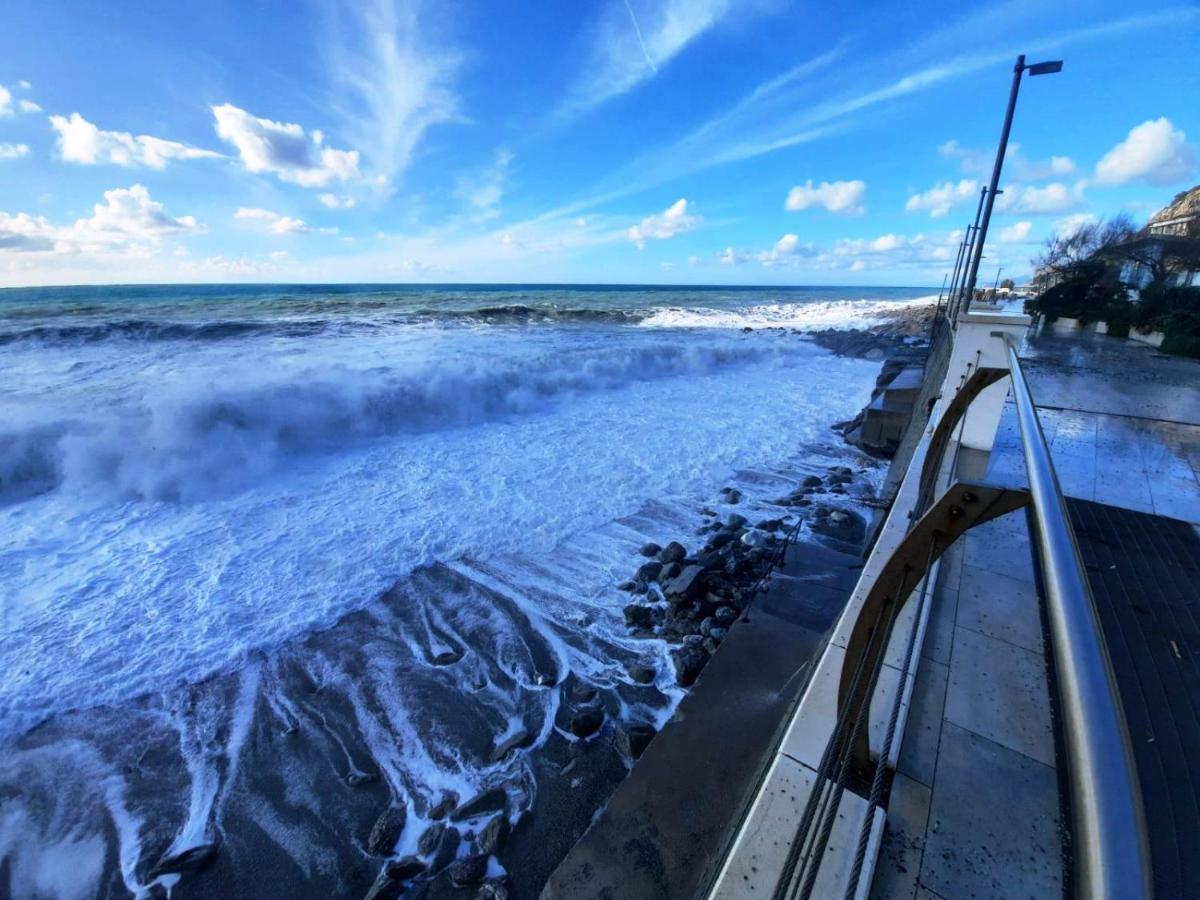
676, 141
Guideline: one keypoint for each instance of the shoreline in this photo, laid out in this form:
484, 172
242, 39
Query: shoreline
299, 709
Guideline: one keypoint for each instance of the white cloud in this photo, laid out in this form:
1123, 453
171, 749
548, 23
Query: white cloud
1050, 199
13, 151
840, 197
666, 224
397, 83
277, 223
978, 163
1015, 233
127, 220
28, 106
786, 250
333, 201
1070, 224
941, 198
283, 149
6, 105
1155, 152
79, 141
729, 257
633, 40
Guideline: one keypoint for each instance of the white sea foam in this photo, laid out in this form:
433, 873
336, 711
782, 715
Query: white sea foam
858, 314
197, 502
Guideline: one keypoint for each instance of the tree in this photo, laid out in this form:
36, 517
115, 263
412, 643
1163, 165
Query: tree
1066, 255
1165, 258
1008, 284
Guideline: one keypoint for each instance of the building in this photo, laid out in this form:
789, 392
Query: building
1168, 248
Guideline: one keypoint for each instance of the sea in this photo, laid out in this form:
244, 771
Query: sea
276, 557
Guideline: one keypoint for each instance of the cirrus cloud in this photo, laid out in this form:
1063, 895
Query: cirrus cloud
276, 223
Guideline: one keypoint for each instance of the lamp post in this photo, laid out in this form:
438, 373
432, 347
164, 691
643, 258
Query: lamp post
1042, 68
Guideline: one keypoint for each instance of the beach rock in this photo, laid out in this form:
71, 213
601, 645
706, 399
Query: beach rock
494, 890
633, 739
842, 525
710, 645
586, 722
193, 859
494, 834
627, 586
811, 481
492, 800
770, 525
521, 738
735, 521
431, 838
642, 673
447, 849
651, 549
405, 868
386, 830
732, 495
469, 870
638, 616
581, 692
689, 660
724, 616
682, 584
718, 634
649, 571
673, 552
447, 657
670, 570
720, 539
385, 887
442, 808
755, 539
358, 779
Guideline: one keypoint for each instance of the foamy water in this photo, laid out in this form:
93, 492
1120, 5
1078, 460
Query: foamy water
191, 484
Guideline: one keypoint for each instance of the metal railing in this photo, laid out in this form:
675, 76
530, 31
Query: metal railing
1110, 848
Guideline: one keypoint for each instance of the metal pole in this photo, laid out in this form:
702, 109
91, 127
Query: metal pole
958, 260
973, 271
1109, 843
938, 310
973, 232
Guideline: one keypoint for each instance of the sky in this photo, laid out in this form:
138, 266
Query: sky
635, 141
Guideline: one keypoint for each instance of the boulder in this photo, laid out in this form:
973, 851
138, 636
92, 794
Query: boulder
469, 870
386, 831
770, 525
811, 481
493, 890
720, 539
385, 887
683, 583
447, 657
447, 849
840, 524
673, 552
193, 859
492, 800
633, 739
652, 549
669, 571
586, 722
638, 616
515, 741
734, 522
442, 808
649, 571
724, 616
494, 834
756, 539
689, 660
405, 868
627, 586
642, 673
431, 838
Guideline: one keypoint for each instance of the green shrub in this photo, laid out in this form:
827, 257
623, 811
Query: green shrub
1182, 345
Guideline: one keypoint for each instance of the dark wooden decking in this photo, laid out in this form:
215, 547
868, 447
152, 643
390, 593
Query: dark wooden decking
1145, 574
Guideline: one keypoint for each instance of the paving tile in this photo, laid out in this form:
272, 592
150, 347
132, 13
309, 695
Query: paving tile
918, 752
993, 823
899, 863
999, 690
1000, 554
939, 634
1002, 607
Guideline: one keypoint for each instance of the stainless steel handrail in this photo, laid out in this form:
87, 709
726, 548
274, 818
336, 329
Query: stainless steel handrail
1109, 843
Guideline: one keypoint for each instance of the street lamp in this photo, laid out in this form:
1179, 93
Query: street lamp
1043, 68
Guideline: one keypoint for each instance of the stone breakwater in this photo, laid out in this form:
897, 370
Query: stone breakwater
693, 599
